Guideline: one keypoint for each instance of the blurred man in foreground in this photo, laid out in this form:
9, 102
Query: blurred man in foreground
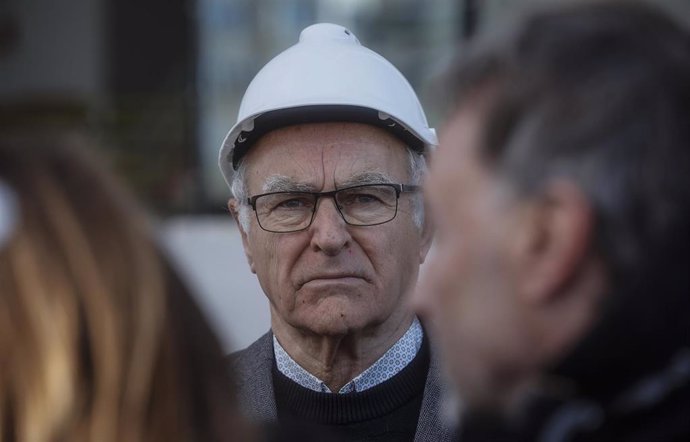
324, 163
562, 194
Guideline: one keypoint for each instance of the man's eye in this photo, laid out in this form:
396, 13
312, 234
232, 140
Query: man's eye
360, 199
294, 203
366, 198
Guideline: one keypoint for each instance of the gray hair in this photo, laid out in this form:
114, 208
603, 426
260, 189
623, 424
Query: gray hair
416, 168
239, 191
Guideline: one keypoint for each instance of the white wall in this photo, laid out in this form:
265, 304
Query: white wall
208, 251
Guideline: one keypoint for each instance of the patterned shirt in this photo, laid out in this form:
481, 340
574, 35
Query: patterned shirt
387, 366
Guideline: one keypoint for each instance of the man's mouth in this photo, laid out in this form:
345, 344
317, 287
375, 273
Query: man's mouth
333, 278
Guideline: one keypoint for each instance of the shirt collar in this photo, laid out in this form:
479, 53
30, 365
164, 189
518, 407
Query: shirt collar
391, 363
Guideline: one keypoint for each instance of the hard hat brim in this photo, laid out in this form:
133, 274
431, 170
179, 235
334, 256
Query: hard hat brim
238, 142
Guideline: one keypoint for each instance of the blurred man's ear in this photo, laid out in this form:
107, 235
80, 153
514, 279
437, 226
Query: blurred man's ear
559, 278
554, 242
233, 207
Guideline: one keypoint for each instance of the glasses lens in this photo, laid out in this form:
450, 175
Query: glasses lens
368, 205
285, 211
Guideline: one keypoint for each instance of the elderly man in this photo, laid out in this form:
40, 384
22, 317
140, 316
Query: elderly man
327, 154
560, 284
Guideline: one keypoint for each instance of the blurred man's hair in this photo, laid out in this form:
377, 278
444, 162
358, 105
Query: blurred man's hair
99, 339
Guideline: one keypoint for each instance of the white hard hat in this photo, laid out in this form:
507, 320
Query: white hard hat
327, 76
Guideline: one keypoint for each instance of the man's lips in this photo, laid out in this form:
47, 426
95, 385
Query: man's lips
334, 277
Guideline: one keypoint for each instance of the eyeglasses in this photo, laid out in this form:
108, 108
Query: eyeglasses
365, 205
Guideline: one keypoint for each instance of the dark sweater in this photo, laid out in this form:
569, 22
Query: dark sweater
386, 412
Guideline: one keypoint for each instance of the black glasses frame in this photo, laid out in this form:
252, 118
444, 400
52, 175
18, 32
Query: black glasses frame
399, 188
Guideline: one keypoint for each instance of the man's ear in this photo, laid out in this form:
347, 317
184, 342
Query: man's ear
552, 242
234, 208
427, 233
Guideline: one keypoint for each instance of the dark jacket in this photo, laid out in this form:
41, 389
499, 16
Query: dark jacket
656, 409
621, 383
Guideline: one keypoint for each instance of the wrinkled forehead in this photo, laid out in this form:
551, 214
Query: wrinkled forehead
322, 156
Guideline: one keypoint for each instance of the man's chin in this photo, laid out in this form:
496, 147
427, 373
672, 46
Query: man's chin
335, 322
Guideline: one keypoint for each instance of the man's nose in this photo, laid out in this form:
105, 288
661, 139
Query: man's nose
329, 230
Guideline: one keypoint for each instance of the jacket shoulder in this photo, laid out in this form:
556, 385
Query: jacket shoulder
257, 355
251, 368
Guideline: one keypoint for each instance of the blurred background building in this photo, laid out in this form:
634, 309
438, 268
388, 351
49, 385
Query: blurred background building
158, 83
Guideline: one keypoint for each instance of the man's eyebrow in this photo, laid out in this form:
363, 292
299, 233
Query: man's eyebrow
282, 183
373, 177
